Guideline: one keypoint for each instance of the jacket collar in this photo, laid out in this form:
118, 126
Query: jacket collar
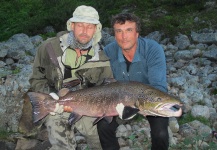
64, 45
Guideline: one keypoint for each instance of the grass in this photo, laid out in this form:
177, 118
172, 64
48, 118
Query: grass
214, 91
189, 118
4, 134
182, 120
138, 118
47, 35
196, 143
31, 17
16, 71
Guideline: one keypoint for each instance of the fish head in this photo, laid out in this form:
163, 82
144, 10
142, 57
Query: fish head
161, 105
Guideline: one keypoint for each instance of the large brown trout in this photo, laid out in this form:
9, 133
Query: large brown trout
101, 101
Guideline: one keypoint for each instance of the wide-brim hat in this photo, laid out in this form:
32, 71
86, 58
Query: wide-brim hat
85, 14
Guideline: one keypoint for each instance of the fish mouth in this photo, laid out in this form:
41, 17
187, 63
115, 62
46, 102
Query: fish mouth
169, 110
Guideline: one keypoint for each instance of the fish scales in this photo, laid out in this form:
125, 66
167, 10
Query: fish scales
90, 99
101, 101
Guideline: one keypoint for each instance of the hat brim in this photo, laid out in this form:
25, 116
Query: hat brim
84, 19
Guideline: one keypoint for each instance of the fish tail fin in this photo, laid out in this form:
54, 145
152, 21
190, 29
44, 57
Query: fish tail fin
38, 109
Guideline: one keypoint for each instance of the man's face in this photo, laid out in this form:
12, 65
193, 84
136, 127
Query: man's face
83, 32
126, 35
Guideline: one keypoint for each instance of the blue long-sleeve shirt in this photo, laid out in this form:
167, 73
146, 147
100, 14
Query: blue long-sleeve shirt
148, 65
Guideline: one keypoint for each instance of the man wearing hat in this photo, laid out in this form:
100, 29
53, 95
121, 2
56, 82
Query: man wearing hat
72, 60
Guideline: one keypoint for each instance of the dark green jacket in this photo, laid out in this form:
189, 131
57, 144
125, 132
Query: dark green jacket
46, 76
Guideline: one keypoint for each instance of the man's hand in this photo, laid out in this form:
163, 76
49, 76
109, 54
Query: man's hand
58, 108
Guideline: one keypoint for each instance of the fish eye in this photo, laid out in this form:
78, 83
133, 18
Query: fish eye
159, 99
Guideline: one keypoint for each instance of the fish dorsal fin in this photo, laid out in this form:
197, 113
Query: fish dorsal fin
73, 118
129, 112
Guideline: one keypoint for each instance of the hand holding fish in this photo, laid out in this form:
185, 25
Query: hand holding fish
68, 109
58, 108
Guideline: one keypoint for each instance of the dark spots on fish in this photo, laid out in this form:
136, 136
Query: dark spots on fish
159, 99
81, 99
98, 103
149, 97
141, 96
175, 107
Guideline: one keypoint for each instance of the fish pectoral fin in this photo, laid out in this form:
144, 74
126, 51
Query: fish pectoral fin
129, 112
73, 118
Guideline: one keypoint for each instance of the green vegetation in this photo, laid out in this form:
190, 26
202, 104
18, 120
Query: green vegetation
138, 118
145, 144
189, 118
201, 103
168, 16
47, 35
196, 142
16, 70
4, 134
214, 92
